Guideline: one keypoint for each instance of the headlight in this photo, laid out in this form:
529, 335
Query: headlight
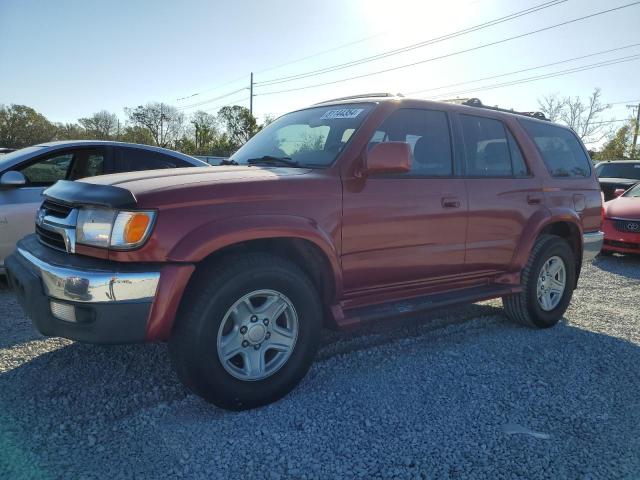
100, 227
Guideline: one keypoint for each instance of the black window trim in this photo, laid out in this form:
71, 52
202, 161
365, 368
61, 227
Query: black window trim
584, 149
454, 161
495, 177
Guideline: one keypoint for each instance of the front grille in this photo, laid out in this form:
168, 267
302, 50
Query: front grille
51, 239
55, 209
627, 226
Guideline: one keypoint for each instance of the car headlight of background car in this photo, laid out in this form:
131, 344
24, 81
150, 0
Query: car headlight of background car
120, 230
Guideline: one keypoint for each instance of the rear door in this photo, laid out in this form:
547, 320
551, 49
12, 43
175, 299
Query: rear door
503, 193
403, 231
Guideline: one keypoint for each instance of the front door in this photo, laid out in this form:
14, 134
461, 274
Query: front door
404, 231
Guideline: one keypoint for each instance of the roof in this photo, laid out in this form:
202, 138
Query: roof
29, 152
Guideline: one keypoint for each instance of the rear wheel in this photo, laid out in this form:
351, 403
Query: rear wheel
547, 281
250, 332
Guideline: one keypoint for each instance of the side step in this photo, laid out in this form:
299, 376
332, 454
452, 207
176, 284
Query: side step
422, 304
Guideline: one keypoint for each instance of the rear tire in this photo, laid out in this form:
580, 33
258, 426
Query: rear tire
264, 308
540, 304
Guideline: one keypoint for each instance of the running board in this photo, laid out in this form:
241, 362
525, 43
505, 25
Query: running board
421, 304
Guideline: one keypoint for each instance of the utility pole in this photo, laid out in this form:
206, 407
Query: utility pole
251, 95
635, 133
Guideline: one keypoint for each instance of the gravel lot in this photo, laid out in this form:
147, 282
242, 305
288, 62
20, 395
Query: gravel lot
456, 394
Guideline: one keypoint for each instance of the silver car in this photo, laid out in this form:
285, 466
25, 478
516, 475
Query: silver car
25, 173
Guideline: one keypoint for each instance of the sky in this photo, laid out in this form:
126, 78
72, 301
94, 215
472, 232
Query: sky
71, 58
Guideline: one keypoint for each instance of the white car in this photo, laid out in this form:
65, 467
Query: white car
25, 173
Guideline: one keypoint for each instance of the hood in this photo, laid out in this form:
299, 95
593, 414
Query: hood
623, 207
167, 180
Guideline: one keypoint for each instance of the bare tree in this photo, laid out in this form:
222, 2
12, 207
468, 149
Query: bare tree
552, 106
164, 122
582, 117
102, 125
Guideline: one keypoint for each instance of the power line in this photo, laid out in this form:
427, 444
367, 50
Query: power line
212, 88
626, 101
497, 42
234, 102
524, 70
210, 100
414, 46
544, 76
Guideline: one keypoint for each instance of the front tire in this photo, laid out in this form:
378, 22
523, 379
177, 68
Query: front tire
547, 282
248, 333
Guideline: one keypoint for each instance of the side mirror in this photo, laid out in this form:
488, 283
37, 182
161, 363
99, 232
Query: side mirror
388, 157
12, 179
618, 191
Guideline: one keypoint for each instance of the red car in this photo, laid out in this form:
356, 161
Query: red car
622, 222
334, 215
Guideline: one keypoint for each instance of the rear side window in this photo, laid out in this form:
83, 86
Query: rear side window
134, 159
427, 132
561, 150
490, 149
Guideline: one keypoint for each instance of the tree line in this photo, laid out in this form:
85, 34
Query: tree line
155, 123
202, 133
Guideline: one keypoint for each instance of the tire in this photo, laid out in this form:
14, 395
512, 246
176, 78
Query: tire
197, 344
524, 307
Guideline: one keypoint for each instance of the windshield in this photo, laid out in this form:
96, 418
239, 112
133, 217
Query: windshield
633, 191
619, 170
7, 159
308, 138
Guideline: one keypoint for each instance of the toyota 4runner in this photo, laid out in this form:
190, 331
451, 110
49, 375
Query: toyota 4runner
350, 210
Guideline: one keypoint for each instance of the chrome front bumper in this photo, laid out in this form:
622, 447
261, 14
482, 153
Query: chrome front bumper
591, 245
92, 286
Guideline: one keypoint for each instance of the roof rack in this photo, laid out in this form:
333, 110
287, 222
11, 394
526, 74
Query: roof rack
363, 95
475, 102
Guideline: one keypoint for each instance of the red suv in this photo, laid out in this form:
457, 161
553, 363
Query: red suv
337, 214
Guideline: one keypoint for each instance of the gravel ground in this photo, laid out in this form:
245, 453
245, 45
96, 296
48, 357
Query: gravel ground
455, 394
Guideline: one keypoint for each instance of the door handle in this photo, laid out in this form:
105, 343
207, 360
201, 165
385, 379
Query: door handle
450, 202
534, 200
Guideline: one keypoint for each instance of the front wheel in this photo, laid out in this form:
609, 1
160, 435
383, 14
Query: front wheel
250, 333
547, 284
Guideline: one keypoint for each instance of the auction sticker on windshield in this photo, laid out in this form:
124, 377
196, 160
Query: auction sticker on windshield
341, 113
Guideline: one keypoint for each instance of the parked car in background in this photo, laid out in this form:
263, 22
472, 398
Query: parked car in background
348, 211
212, 159
25, 173
622, 222
617, 174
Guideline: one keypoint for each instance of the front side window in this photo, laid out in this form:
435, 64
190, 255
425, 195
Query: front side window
48, 170
561, 150
307, 138
427, 132
490, 149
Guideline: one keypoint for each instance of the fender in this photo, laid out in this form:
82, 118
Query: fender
536, 224
213, 236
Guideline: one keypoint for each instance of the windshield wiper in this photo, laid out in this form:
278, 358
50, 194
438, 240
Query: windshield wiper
273, 160
226, 161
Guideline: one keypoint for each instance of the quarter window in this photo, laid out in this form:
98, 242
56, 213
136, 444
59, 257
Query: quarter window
490, 149
561, 150
427, 132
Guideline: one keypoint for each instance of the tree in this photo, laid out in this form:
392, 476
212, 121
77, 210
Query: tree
101, 125
205, 131
239, 124
21, 126
618, 147
136, 134
581, 116
163, 122
70, 131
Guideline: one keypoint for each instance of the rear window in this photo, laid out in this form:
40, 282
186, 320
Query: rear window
619, 170
561, 150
